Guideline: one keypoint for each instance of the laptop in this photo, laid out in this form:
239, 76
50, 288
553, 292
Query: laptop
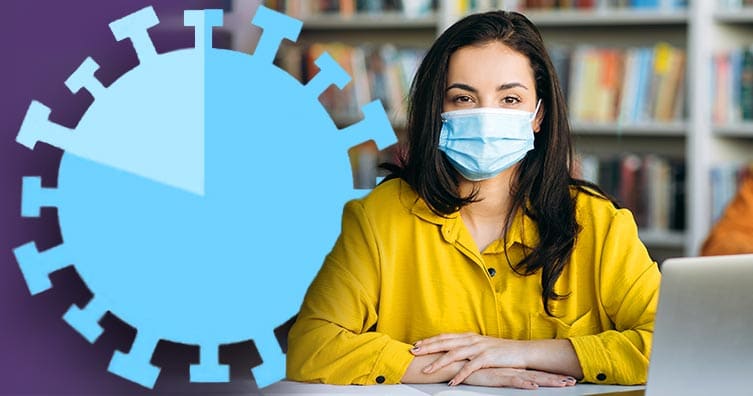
703, 339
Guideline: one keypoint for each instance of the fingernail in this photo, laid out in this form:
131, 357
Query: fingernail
451, 383
535, 385
417, 343
571, 379
415, 349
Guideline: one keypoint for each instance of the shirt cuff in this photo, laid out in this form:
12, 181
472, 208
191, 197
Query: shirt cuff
391, 364
594, 359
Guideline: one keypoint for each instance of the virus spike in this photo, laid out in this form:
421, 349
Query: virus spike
37, 127
84, 77
37, 266
276, 27
86, 320
330, 72
209, 369
135, 365
272, 368
375, 125
35, 197
134, 26
203, 21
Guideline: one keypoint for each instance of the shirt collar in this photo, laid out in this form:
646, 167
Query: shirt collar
523, 230
421, 209
450, 224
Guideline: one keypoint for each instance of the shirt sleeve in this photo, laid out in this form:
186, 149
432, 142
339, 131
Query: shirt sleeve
733, 233
331, 341
629, 289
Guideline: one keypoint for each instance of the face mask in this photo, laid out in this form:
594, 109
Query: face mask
481, 143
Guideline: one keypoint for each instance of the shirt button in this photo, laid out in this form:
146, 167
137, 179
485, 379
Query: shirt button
380, 379
492, 271
601, 376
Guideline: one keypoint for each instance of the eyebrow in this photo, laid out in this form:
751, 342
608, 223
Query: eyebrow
500, 88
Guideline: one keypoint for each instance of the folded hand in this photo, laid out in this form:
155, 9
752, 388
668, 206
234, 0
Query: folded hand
516, 378
480, 351
483, 352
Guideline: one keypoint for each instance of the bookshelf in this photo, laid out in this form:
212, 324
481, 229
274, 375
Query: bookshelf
618, 139
740, 130
700, 29
730, 15
667, 240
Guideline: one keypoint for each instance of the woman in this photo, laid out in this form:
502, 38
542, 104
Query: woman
483, 261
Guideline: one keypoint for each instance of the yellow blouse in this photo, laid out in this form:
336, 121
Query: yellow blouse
399, 273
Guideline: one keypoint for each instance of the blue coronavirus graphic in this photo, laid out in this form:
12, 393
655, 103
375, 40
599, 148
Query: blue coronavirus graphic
198, 194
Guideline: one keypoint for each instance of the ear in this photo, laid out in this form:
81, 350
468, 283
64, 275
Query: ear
539, 119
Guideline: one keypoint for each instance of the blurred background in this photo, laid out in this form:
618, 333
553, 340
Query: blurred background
660, 94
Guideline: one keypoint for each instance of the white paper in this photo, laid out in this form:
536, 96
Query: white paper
298, 388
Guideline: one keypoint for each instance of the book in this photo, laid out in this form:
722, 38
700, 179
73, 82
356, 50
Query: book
732, 86
629, 90
631, 187
670, 78
746, 84
650, 185
560, 56
630, 86
678, 195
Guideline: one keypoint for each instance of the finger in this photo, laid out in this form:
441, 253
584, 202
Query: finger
441, 361
441, 337
443, 345
468, 369
511, 377
499, 377
515, 378
548, 379
518, 382
455, 355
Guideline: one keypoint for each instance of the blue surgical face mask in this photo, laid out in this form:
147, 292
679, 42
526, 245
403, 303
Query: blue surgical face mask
481, 143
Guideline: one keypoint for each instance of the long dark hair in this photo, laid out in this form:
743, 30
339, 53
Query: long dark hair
541, 186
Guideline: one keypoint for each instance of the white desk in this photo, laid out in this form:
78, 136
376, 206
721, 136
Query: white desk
297, 388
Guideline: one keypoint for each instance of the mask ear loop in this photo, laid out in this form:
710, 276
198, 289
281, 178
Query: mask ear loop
535, 111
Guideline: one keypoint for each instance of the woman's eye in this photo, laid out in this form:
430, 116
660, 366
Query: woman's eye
510, 100
463, 99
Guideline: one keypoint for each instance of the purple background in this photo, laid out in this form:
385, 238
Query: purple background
42, 42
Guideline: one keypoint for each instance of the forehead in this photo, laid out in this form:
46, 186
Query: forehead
489, 63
